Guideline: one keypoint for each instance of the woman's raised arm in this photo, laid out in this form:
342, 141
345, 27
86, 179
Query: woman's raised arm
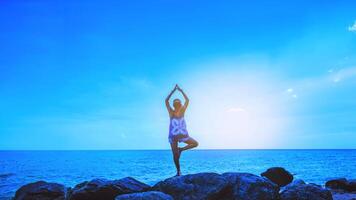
167, 100
186, 103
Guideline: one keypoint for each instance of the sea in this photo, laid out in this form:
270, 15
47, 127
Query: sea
150, 166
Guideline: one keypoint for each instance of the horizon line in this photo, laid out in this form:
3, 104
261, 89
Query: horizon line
170, 149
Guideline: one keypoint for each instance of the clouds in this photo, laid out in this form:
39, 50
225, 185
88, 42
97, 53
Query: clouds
322, 82
352, 28
291, 92
344, 74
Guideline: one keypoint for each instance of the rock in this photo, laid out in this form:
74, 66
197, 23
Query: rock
41, 190
278, 175
295, 183
343, 196
102, 189
341, 184
152, 195
202, 186
250, 187
337, 184
306, 192
351, 185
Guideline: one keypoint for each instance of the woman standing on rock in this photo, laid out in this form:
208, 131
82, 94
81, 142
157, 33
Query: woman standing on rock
177, 127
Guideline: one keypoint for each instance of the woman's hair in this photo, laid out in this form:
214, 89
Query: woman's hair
175, 100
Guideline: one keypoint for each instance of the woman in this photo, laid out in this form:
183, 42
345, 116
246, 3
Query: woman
177, 127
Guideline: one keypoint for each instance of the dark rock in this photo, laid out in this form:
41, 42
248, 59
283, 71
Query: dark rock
337, 184
250, 187
306, 192
295, 183
153, 195
102, 189
341, 184
41, 190
351, 185
343, 195
202, 186
278, 175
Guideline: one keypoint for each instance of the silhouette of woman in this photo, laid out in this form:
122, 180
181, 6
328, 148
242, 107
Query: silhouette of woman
177, 127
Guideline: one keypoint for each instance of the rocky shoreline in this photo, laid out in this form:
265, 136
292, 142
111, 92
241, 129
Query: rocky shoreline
274, 184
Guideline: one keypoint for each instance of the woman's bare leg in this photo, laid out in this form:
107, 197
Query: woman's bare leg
191, 143
176, 155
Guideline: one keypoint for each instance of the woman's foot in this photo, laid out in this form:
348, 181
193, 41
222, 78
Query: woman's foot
178, 174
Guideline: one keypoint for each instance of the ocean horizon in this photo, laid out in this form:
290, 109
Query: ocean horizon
230, 86
71, 167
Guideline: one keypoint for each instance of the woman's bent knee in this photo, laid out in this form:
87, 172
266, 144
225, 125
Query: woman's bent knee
195, 144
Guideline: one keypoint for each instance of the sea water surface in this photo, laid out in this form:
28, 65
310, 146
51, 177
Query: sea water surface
72, 167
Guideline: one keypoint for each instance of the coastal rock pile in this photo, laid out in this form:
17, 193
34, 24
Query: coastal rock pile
41, 190
302, 191
106, 189
342, 184
249, 187
152, 195
194, 186
274, 184
342, 188
278, 175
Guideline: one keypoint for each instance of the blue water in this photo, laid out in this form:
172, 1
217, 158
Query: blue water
72, 167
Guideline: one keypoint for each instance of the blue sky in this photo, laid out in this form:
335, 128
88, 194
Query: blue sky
94, 75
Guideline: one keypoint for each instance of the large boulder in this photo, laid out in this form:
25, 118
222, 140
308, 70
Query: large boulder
278, 175
337, 184
294, 183
344, 196
351, 185
341, 184
202, 186
41, 190
152, 195
250, 187
306, 192
102, 189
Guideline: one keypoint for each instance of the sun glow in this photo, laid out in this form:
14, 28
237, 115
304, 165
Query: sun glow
240, 110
